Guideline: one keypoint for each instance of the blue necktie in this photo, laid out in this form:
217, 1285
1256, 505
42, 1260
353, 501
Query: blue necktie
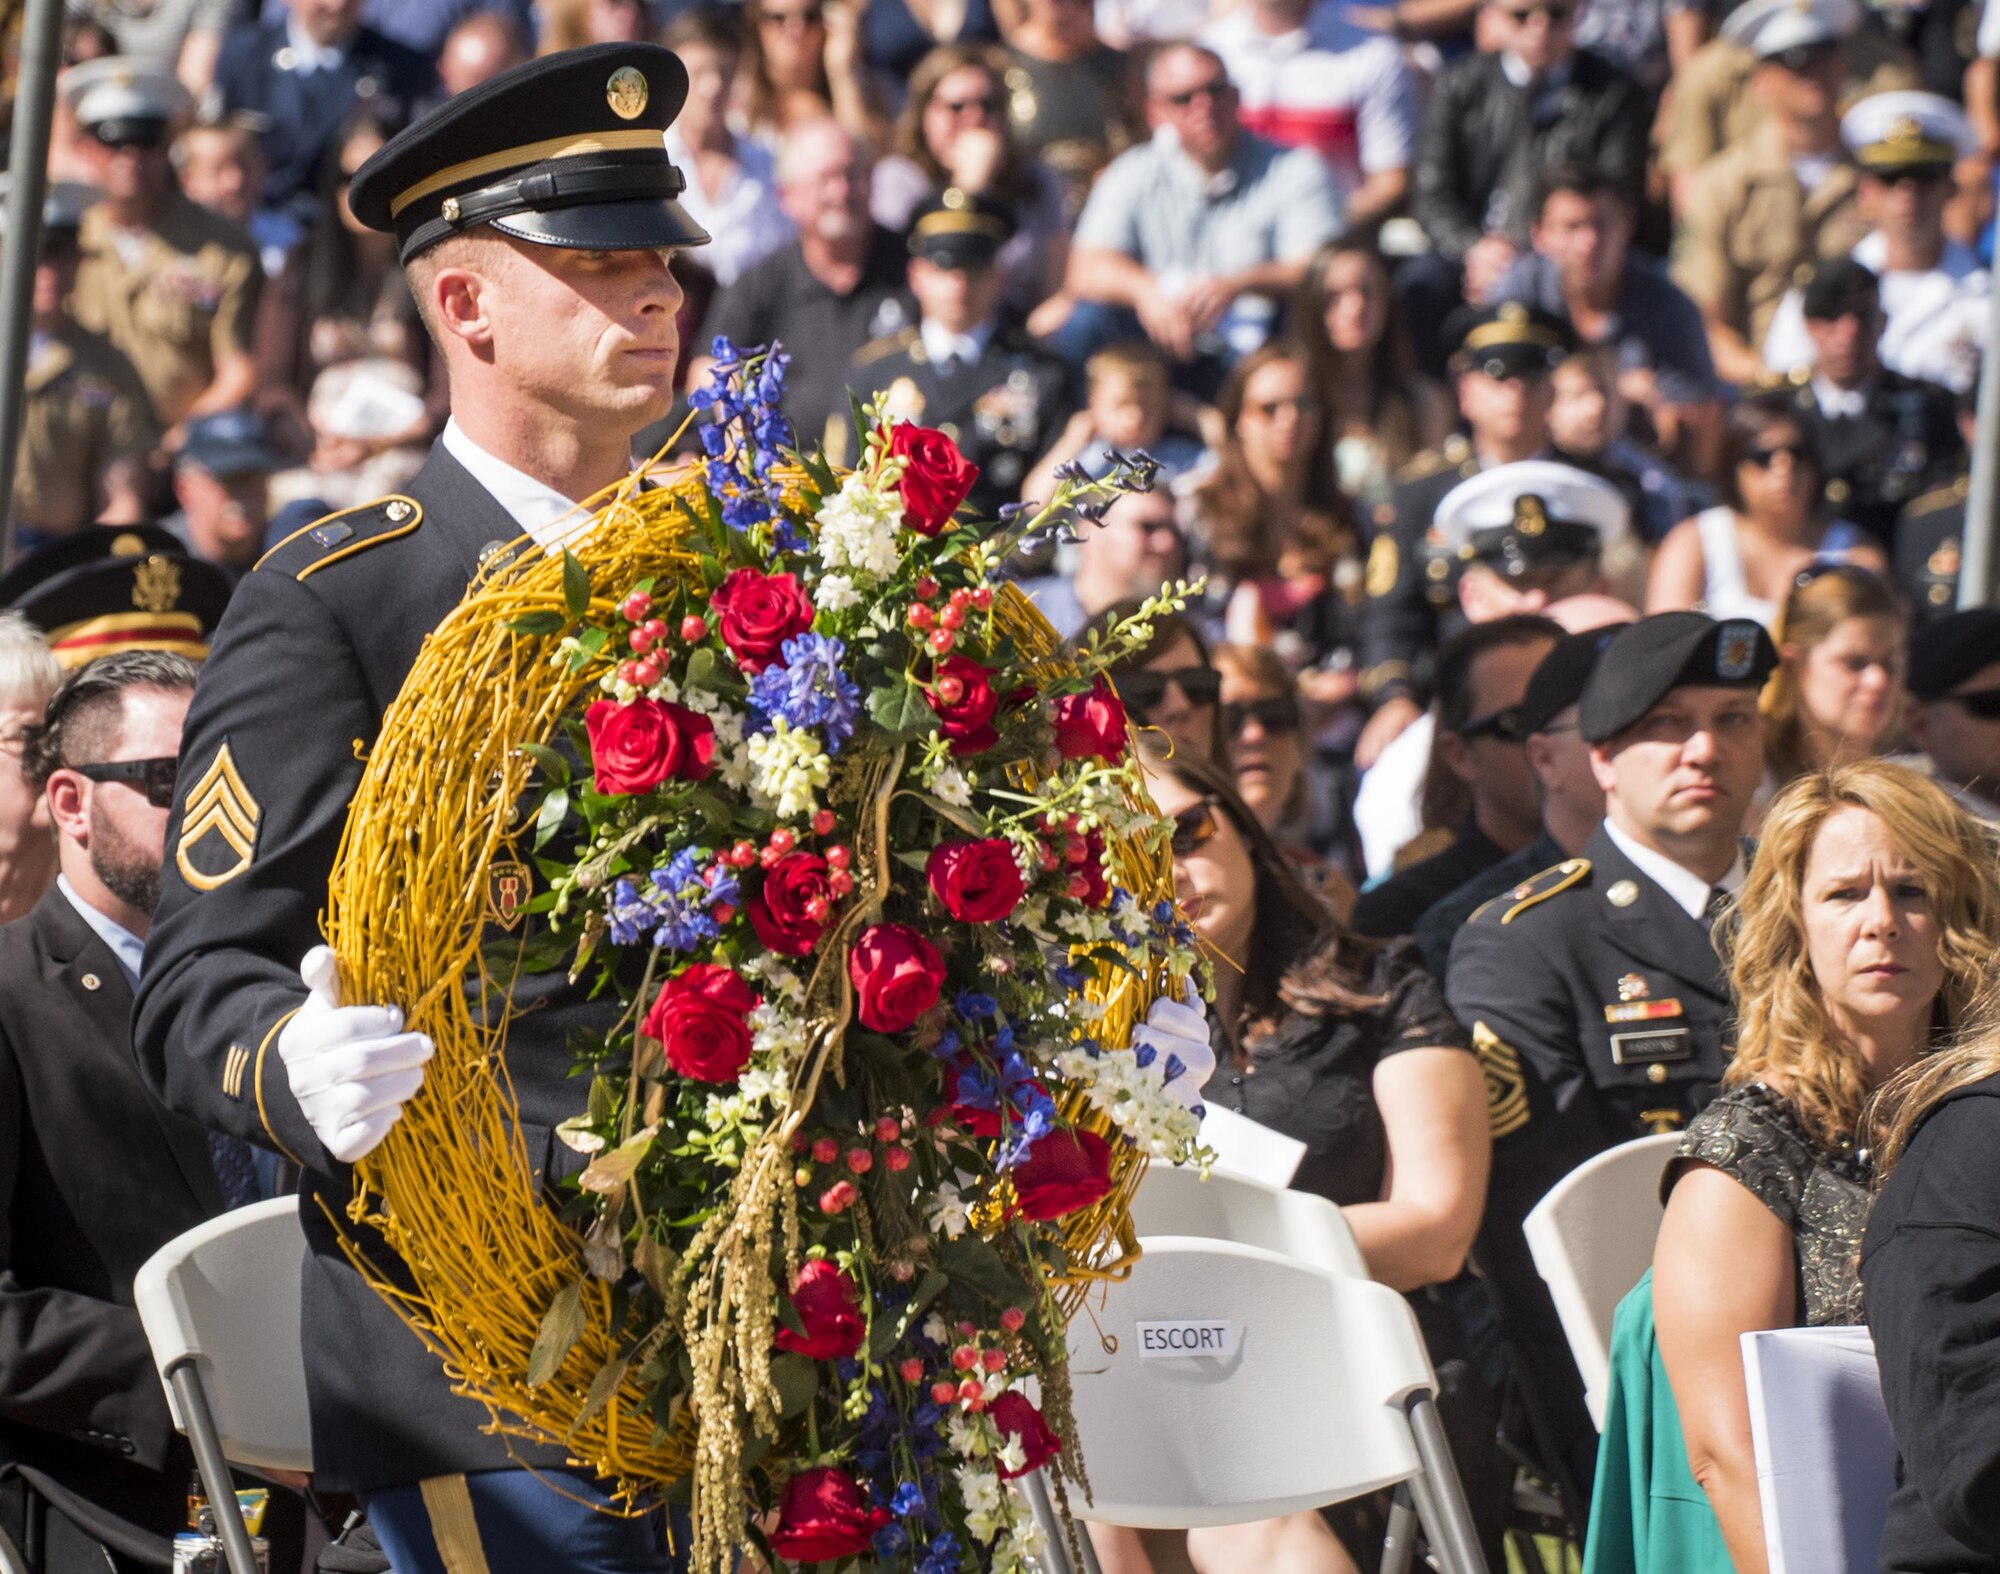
235, 1169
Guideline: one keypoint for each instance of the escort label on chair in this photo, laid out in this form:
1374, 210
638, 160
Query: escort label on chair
1179, 1340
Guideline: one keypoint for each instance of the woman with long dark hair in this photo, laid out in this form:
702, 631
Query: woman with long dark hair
802, 62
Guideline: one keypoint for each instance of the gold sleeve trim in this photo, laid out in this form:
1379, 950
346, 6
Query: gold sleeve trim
257, 1085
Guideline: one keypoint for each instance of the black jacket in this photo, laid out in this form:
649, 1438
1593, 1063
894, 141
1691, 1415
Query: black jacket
95, 1176
316, 642
1485, 140
1930, 1272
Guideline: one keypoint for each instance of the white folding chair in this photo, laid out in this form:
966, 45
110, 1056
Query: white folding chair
1826, 1458
1248, 1368
220, 1306
1592, 1239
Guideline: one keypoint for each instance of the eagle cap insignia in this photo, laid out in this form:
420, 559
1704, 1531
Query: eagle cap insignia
1514, 312
219, 820
1904, 129
128, 545
508, 886
627, 92
156, 584
1531, 517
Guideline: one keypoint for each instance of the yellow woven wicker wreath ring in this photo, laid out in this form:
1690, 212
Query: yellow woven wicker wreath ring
451, 1189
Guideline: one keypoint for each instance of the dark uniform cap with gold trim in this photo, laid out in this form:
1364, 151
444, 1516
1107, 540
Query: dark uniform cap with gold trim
960, 229
1532, 514
568, 150
117, 587
1669, 650
1511, 339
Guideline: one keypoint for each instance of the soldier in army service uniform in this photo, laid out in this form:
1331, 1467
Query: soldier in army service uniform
1593, 991
536, 219
965, 368
1928, 546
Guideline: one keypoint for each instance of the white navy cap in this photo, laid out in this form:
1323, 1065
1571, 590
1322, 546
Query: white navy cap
113, 95
1768, 28
1895, 131
1532, 514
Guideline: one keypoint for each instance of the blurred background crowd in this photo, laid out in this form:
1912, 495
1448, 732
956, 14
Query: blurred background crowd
1465, 333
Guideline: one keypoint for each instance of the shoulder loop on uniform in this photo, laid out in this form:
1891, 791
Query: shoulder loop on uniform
1541, 887
326, 541
888, 344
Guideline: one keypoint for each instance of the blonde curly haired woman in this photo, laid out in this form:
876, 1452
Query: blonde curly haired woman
1866, 927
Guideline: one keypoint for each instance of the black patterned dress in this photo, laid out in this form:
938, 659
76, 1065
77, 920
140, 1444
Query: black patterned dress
1756, 1138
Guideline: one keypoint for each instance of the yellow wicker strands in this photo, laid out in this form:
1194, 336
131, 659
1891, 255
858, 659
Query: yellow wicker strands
451, 1189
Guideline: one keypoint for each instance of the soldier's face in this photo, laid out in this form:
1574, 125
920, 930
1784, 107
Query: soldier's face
1688, 768
1911, 204
958, 298
121, 832
588, 333
1872, 938
1505, 409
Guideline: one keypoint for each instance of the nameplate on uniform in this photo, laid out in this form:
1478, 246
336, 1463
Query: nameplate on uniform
1642, 1010
1641, 1049
1198, 1336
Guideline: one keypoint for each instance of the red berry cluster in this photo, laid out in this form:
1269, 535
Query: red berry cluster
857, 1159
940, 625
647, 636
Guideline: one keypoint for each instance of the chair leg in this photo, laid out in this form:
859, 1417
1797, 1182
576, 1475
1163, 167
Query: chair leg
215, 1478
1399, 1545
1447, 1516
1036, 1488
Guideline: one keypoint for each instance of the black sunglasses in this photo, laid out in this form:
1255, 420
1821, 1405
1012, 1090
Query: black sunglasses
1764, 458
1504, 724
1277, 713
1914, 175
1557, 14
1143, 689
1219, 88
1194, 827
154, 778
1983, 703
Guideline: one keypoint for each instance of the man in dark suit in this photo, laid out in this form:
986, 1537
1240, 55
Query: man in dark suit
536, 219
1593, 992
95, 1174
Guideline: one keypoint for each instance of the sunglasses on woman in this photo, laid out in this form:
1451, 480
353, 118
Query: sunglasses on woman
1145, 688
1195, 826
1274, 713
1503, 724
1764, 458
154, 778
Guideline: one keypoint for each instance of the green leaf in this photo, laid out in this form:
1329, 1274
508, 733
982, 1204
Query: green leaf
608, 1171
713, 810
576, 586
700, 673
562, 1326
977, 1268
712, 571
552, 764
555, 809
899, 707
588, 644
861, 424
603, 1100
797, 1381
539, 623
656, 1262
602, 1387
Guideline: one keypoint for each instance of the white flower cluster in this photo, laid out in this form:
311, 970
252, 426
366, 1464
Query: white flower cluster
836, 593
947, 1211
954, 787
995, 1512
765, 967
861, 528
790, 767
1136, 1100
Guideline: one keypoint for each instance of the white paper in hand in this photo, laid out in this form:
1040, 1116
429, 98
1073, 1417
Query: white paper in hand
1251, 1151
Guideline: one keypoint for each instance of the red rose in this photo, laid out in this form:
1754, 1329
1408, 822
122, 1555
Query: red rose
1097, 889
701, 1020
1090, 726
636, 746
778, 910
756, 613
936, 477
896, 973
977, 882
1016, 1416
1063, 1172
829, 1305
822, 1516
968, 722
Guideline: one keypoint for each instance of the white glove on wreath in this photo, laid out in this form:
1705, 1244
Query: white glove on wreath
352, 1068
1177, 1032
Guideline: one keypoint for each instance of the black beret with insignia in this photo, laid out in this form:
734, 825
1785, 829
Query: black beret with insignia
1559, 677
109, 588
568, 150
1647, 659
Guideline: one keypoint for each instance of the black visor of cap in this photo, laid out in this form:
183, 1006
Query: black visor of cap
1513, 551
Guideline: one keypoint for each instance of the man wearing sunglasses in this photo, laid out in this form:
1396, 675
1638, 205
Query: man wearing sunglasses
1593, 991
1955, 681
1782, 197
172, 286
95, 1174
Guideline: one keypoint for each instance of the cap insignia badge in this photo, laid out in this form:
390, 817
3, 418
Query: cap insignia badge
507, 887
1513, 311
156, 585
128, 545
1904, 129
1530, 517
1633, 986
627, 92
953, 198
1623, 894
1735, 651
448, 210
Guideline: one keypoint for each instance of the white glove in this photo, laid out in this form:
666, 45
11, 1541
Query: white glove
352, 1068
1177, 1032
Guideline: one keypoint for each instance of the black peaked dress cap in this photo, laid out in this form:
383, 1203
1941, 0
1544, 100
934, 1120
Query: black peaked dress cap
110, 588
1669, 650
568, 150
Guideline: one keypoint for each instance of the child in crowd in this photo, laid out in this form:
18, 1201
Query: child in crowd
1129, 406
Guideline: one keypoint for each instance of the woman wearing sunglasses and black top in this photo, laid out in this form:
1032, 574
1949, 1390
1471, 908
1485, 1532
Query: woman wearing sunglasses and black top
1348, 1046
1170, 683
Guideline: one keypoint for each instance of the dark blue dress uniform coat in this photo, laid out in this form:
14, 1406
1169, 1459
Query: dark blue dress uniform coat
315, 644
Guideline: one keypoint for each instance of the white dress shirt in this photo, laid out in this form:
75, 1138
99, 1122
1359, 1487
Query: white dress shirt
126, 946
943, 346
552, 519
1689, 891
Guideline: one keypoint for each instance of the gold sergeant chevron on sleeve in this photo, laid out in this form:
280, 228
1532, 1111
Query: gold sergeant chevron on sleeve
218, 806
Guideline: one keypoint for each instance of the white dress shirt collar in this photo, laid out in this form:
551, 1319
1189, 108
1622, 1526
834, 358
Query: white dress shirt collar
308, 56
126, 946
552, 519
941, 344
1689, 891
1835, 402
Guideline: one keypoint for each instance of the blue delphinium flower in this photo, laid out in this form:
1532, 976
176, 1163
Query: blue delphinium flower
629, 913
942, 1555
809, 689
674, 901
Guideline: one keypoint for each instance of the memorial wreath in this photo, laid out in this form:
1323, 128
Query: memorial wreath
858, 852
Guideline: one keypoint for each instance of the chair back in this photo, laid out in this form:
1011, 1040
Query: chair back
225, 1296
1826, 1459
1592, 1238
1298, 1224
